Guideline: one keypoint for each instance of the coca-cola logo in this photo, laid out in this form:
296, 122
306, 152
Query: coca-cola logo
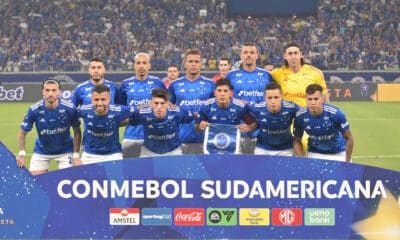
189, 216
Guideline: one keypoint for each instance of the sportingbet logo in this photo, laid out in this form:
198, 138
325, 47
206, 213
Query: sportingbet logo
11, 94
189, 216
124, 216
287, 217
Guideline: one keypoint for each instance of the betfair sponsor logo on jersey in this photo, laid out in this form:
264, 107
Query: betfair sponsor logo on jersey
319, 217
287, 217
124, 216
254, 216
222, 216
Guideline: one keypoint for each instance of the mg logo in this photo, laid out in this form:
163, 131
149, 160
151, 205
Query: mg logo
286, 217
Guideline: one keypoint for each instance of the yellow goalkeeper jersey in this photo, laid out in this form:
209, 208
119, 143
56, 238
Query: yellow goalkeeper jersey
294, 84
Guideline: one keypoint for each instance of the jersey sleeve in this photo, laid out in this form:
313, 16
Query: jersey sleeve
186, 116
172, 96
75, 122
29, 119
342, 123
121, 94
75, 99
298, 127
202, 114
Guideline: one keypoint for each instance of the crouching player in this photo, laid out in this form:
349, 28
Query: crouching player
161, 125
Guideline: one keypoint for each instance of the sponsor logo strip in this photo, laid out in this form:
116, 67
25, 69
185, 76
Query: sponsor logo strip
319, 217
124, 216
157, 216
221, 216
254, 216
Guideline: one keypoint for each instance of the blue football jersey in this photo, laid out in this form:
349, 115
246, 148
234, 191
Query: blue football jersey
232, 115
134, 92
190, 95
249, 86
101, 133
274, 128
52, 126
324, 130
161, 135
83, 92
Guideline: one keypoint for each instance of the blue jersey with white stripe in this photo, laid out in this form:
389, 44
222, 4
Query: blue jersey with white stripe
190, 95
161, 135
249, 86
83, 92
52, 126
324, 130
231, 115
274, 128
134, 92
101, 133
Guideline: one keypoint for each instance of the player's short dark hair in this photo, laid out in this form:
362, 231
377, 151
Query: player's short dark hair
313, 88
173, 65
160, 93
192, 51
96, 59
272, 86
101, 89
293, 44
51, 80
224, 59
250, 45
224, 82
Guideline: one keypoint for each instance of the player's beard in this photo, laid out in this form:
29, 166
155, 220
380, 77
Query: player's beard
101, 109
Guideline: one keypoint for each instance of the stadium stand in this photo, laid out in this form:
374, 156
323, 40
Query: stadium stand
57, 35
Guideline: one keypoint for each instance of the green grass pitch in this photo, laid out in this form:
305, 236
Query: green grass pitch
375, 127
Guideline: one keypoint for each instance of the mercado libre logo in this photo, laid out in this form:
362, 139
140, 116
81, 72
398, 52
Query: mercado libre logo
189, 216
287, 217
222, 216
124, 216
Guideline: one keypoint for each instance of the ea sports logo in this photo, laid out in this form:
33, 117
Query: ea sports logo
222, 140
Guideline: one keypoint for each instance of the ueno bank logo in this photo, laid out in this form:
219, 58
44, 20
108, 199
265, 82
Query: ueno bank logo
189, 216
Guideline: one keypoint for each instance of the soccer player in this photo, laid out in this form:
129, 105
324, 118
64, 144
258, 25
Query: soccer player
248, 84
101, 128
330, 135
189, 93
274, 117
161, 125
53, 118
295, 76
83, 92
224, 67
172, 75
223, 109
136, 91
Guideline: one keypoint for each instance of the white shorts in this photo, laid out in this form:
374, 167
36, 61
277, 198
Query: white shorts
42, 162
145, 152
285, 152
329, 156
131, 147
88, 158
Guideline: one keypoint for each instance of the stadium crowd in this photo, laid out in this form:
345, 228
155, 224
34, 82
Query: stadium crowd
48, 35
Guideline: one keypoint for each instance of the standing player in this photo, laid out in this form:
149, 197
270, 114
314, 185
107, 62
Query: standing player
274, 117
330, 135
83, 92
53, 118
101, 128
189, 93
161, 125
295, 76
248, 84
172, 75
223, 109
223, 66
136, 91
